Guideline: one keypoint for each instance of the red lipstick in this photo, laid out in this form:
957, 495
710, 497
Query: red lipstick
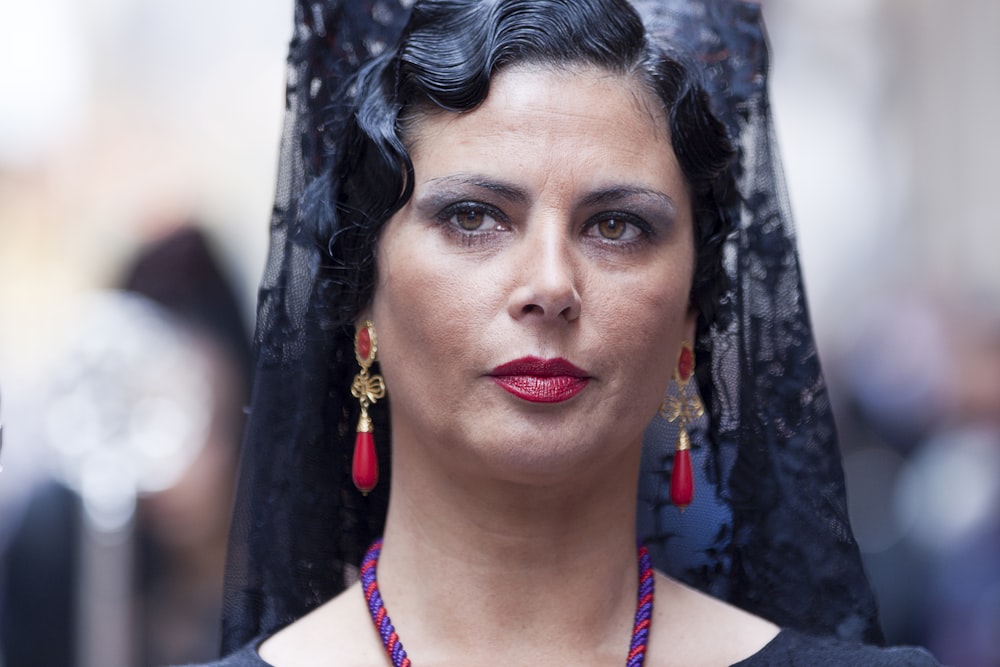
541, 380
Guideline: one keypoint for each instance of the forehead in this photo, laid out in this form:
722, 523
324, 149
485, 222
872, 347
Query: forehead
544, 121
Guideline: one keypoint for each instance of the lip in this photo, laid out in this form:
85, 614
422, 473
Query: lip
541, 380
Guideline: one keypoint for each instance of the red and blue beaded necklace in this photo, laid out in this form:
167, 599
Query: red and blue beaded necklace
390, 640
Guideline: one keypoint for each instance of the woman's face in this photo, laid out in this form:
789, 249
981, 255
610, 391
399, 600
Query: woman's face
533, 294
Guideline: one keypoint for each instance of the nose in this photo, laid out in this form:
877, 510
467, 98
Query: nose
546, 276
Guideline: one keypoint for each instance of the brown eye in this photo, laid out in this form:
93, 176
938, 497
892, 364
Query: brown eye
469, 220
472, 217
618, 228
612, 228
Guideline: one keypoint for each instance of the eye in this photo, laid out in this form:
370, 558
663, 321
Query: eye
473, 217
617, 227
611, 228
470, 219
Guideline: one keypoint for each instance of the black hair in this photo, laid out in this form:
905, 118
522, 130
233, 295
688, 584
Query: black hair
446, 57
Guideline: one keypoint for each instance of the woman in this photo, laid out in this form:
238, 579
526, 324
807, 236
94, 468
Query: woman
525, 208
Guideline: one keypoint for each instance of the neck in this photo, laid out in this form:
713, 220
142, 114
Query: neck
469, 563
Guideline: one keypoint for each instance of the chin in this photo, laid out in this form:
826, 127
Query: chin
543, 457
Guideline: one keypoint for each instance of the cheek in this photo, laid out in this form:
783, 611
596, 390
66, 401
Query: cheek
646, 321
424, 313
407, 310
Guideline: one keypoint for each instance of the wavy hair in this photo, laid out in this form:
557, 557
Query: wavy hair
446, 58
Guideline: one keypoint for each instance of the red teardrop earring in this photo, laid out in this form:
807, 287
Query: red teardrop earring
367, 389
684, 407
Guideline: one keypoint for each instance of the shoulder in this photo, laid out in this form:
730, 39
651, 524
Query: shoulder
687, 630
688, 625
794, 649
340, 630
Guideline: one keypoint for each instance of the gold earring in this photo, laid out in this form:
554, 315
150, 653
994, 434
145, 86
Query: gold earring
367, 389
685, 407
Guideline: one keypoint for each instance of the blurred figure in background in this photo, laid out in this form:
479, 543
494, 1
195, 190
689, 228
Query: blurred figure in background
179, 326
184, 528
919, 391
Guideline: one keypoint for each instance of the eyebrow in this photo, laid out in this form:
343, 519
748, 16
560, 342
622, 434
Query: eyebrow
508, 191
617, 194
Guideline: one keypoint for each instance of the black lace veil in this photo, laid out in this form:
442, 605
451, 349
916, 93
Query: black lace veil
768, 530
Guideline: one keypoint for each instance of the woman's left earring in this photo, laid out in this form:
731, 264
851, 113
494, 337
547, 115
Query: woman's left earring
683, 408
367, 388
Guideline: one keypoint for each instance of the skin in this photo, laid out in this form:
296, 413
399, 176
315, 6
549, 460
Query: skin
537, 277
552, 221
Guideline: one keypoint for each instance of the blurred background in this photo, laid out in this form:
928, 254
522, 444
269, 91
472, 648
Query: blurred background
883, 111
138, 145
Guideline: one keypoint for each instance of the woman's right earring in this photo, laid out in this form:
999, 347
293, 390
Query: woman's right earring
685, 407
367, 389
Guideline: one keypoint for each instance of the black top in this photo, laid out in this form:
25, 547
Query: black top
787, 649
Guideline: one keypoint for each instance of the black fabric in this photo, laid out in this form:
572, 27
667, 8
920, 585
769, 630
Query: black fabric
794, 649
783, 547
787, 649
768, 530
